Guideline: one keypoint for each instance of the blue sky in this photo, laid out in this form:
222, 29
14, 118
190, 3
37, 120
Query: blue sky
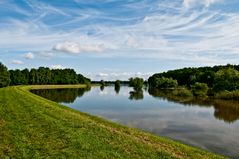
117, 39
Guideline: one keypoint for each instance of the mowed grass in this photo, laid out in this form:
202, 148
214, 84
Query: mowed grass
34, 127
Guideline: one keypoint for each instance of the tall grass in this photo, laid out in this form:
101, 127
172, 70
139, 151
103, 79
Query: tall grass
234, 95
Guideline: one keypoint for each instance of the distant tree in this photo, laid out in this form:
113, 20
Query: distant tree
102, 83
4, 76
117, 83
189, 76
82, 80
226, 79
207, 77
199, 89
17, 78
137, 83
44, 75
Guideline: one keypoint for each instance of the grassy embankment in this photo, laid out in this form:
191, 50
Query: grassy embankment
34, 127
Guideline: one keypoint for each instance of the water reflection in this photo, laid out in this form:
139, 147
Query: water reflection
136, 95
206, 123
61, 95
117, 89
226, 110
102, 87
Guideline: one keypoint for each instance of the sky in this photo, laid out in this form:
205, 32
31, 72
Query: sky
118, 39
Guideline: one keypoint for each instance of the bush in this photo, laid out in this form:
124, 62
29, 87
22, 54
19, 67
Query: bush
228, 95
163, 82
183, 92
199, 89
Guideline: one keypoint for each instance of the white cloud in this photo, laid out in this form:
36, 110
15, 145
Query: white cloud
29, 55
170, 32
76, 48
57, 67
103, 74
119, 75
17, 62
206, 3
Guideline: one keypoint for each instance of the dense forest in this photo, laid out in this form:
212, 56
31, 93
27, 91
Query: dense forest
220, 81
40, 76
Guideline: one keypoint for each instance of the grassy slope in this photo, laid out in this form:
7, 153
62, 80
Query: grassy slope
33, 127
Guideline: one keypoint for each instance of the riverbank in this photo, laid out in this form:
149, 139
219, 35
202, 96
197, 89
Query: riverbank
34, 127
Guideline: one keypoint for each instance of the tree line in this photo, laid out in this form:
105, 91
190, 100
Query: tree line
40, 76
202, 80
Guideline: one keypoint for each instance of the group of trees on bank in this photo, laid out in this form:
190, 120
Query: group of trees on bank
137, 83
4, 76
40, 76
199, 80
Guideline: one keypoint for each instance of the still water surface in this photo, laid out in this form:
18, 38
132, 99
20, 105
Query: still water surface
209, 124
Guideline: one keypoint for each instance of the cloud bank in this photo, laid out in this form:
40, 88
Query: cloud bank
76, 48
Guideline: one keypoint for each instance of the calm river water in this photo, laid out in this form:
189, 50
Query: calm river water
209, 124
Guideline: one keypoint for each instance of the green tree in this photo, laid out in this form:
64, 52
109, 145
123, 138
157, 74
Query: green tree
199, 89
163, 82
226, 79
4, 76
137, 83
117, 83
102, 83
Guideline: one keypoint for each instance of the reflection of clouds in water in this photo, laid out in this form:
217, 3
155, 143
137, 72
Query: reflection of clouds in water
110, 91
193, 123
103, 93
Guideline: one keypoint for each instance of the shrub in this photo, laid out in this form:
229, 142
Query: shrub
228, 95
199, 89
163, 82
183, 92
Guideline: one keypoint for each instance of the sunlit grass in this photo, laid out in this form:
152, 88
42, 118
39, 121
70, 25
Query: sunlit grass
34, 127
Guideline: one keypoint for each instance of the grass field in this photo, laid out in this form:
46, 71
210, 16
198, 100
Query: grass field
34, 127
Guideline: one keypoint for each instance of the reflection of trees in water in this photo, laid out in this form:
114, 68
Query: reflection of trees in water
61, 95
226, 110
136, 95
102, 87
117, 89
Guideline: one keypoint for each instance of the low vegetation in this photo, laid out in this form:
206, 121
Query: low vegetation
182, 92
228, 95
34, 127
199, 89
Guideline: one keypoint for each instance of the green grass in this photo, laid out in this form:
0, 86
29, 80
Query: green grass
34, 127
